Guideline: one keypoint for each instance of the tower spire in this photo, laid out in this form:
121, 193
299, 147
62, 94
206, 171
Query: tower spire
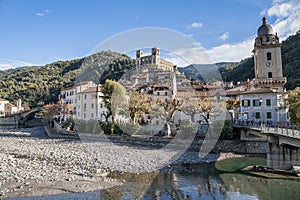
264, 21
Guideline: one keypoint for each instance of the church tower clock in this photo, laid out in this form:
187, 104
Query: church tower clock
267, 59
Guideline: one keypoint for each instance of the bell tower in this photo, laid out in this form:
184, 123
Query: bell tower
267, 59
155, 56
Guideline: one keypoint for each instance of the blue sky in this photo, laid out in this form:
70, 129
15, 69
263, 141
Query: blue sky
43, 31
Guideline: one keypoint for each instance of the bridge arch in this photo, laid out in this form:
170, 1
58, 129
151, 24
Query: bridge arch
27, 114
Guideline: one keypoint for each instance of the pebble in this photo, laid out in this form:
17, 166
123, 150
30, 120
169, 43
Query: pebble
30, 154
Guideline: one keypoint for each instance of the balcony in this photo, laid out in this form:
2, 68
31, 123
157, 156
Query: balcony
275, 80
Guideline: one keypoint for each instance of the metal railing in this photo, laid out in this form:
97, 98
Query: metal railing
276, 128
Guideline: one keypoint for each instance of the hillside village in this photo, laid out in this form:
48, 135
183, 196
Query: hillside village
155, 77
259, 100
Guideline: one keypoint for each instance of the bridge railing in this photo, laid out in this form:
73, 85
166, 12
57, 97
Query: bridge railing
289, 132
247, 124
279, 128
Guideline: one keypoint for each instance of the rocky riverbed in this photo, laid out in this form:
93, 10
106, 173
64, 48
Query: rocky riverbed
35, 162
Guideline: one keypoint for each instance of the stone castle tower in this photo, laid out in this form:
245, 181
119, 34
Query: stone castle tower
152, 59
267, 59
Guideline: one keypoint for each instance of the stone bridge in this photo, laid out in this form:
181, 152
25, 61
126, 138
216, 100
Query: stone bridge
23, 117
283, 142
20, 118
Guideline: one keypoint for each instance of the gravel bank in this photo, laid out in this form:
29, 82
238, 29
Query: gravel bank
35, 164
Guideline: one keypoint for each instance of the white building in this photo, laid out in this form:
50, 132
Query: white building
69, 95
263, 105
7, 108
90, 105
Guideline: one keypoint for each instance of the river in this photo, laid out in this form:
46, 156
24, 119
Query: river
201, 181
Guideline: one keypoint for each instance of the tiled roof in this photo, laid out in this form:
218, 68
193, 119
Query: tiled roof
259, 91
91, 90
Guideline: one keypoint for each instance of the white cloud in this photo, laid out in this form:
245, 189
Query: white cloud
9, 64
196, 25
42, 13
224, 36
287, 15
277, 1
186, 56
231, 52
280, 10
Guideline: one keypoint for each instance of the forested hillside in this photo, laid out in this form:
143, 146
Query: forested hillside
290, 61
42, 84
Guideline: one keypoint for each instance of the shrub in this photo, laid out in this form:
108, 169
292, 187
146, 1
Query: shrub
129, 129
110, 128
227, 131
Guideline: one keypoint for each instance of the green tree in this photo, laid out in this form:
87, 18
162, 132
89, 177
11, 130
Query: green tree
114, 98
139, 103
293, 103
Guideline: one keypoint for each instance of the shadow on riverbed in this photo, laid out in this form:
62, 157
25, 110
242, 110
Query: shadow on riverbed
36, 132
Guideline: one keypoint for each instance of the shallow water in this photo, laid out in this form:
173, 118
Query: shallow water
195, 182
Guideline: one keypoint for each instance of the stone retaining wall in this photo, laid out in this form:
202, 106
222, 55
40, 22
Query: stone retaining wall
9, 121
233, 146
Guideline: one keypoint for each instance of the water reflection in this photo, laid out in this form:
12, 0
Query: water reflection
205, 182
193, 182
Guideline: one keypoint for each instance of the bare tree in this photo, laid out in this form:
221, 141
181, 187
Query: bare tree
203, 105
166, 110
231, 105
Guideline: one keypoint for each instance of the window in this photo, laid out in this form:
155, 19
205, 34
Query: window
270, 75
78, 114
257, 115
158, 93
268, 102
101, 105
269, 115
92, 115
246, 103
78, 97
256, 102
84, 115
269, 56
84, 106
84, 96
166, 93
92, 105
